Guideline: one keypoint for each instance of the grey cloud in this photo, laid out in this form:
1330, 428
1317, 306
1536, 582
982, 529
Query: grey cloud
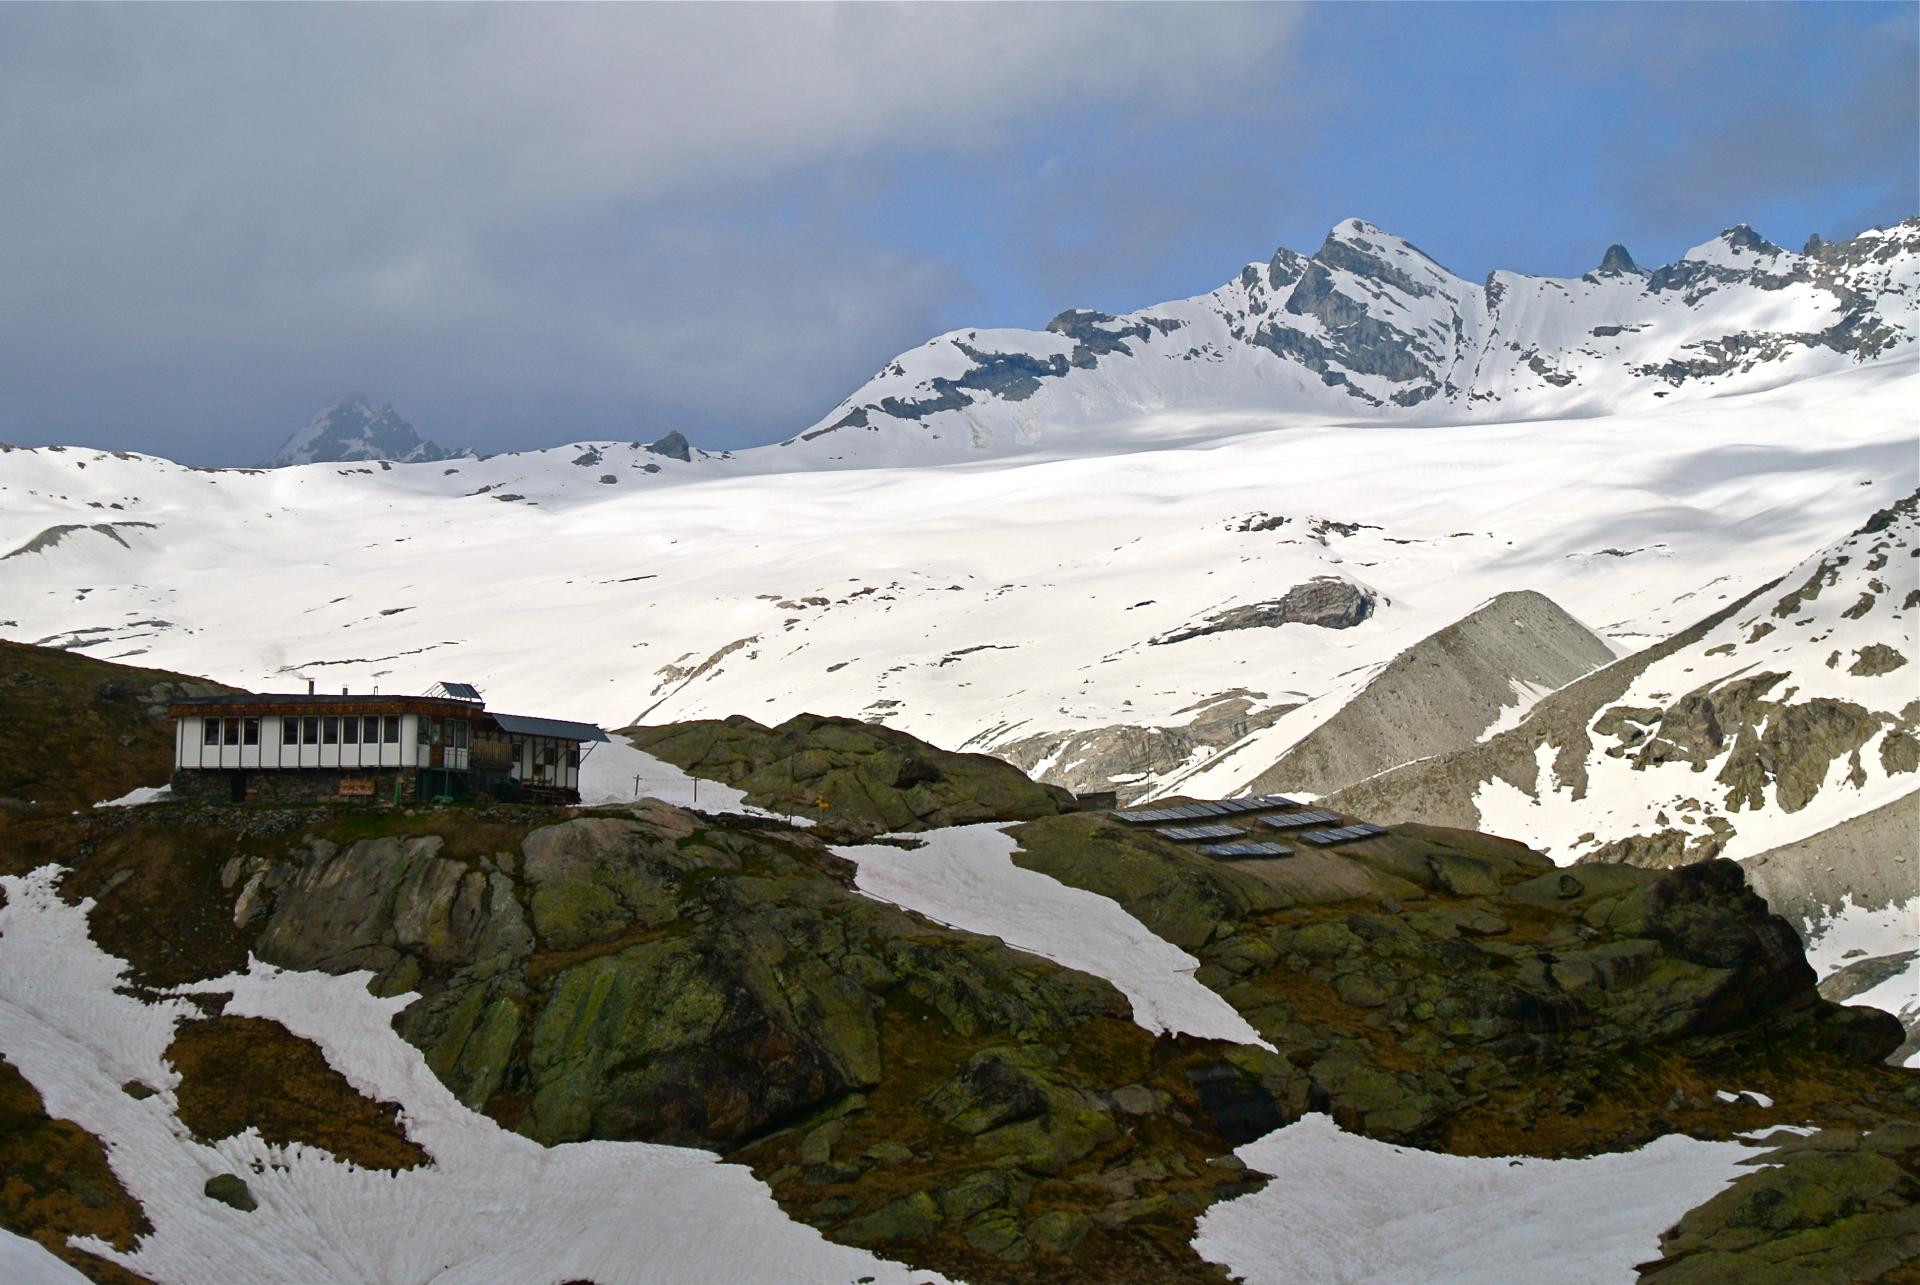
1733, 152
475, 210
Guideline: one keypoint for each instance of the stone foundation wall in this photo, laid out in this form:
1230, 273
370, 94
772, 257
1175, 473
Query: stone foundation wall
303, 785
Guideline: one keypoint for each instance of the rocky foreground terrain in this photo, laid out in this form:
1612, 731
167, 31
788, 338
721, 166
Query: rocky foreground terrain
650, 973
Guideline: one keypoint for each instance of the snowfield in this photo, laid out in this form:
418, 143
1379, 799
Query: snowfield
964, 877
1346, 1209
492, 1206
970, 605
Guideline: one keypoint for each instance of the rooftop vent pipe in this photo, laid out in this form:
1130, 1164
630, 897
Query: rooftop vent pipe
309, 687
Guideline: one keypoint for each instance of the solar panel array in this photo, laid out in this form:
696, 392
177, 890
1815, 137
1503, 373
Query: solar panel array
1343, 834
1159, 816
1202, 811
1294, 820
1313, 824
1197, 833
1244, 851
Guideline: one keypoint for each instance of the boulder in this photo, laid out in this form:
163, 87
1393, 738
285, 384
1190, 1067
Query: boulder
856, 778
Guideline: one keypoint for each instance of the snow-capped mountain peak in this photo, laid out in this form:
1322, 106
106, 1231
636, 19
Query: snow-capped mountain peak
1617, 262
1738, 247
1370, 324
351, 429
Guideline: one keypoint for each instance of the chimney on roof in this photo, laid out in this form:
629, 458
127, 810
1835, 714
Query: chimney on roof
309, 687
343, 690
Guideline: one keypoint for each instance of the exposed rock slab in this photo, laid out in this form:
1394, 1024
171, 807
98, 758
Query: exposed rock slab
1440, 694
1327, 602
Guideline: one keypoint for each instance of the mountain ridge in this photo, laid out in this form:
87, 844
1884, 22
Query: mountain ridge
1372, 325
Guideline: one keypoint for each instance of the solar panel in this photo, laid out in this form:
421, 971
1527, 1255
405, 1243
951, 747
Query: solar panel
1146, 816
1293, 820
1240, 807
1261, 801
1198, 833
461, 691
1244, 851
1342, 834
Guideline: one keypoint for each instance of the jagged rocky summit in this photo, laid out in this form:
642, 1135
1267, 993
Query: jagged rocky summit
351, 429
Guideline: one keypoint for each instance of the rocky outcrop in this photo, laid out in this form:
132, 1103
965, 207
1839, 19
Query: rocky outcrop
54, 536
1326, 601
1124, 757
658, 975
1841, 1205
856, 778
1617, 262
673, 446
651, 973
1867, 862
1456, 991
1442, 693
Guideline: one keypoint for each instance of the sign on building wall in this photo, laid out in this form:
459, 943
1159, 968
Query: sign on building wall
356, 785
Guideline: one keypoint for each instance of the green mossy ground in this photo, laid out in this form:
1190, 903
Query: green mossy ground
1842, 1205
240, 1073
78, 731
55, 1183
853, 778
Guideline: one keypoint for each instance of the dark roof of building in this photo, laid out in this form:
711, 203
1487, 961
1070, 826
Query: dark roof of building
321, 699
558, 728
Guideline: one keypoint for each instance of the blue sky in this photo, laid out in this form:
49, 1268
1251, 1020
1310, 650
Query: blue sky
1516, 136
530, 225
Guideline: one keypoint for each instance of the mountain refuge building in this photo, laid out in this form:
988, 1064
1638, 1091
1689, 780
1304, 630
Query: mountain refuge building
314, 748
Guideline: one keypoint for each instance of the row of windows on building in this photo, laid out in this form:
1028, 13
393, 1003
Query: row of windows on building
333, 730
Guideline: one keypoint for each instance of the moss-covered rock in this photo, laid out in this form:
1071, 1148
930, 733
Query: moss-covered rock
651, 973
857, 778
56, 1184
1838, 1206
1447, 989
231, 1190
